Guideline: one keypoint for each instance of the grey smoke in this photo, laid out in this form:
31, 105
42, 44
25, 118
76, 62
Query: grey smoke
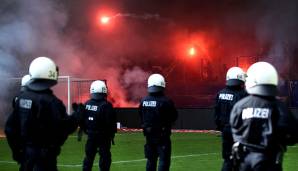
135, 80
278, 26
145, 16
29, 28
32, 28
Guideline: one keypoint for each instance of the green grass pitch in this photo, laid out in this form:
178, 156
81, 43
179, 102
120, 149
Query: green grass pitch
190, 152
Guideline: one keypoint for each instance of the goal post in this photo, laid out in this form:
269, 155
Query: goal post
68, 92
69, 89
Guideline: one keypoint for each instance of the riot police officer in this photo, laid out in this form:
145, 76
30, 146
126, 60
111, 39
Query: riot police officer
99, 123
11, 141
39, 124
225, 100
262, 126
157, 113
25, 79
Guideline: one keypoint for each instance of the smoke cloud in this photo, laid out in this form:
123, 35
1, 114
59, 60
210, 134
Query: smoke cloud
277, 27
142, 17
146, 37
33, 28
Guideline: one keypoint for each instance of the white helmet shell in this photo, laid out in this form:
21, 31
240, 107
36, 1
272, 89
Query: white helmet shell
235, 76
25, 80
98, 86
156, 83
262, 79
43, 72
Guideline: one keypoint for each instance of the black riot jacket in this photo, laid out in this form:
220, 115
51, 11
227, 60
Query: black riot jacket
262, 123
225, 100
157, 113
38, 119
99, 118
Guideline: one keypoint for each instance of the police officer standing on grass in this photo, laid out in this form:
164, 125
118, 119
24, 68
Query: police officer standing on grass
39, 124
99, 123
262, 126
157, 113
13, 140
225, 100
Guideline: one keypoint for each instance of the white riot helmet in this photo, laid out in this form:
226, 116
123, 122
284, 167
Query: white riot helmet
235, 76
262, 79
25, 80
156, 83
44, 74
98, 89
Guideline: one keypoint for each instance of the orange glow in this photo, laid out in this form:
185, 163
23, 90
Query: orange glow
104, 19
245, 61
192, 51
194, 46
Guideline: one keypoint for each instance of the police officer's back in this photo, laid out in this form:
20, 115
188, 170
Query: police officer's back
39, 124
261, 125
99, 123
25, 79
14, 138
225, 100
157, 113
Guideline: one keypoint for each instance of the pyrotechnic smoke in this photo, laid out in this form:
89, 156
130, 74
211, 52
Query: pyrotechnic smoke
29, 29
142, 17
277, 26
32, 28
140, 39
135, 81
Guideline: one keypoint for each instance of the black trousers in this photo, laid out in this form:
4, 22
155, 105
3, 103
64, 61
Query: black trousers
256, 161
103, 147
158, 148
227, 143
40, 159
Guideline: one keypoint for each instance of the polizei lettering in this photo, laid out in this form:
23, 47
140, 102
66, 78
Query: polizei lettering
226, 97
149, 103
260, 113
25, 103
91, 107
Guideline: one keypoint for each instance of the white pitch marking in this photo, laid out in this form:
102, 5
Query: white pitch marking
123, 161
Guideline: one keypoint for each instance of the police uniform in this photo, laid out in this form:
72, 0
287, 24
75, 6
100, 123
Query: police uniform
37, 128
157, 114
99, 123
264, 126
225, 101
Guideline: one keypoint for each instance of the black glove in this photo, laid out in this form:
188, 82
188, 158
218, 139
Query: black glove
238, 152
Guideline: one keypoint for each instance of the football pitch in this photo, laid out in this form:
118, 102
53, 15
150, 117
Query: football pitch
190, 152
